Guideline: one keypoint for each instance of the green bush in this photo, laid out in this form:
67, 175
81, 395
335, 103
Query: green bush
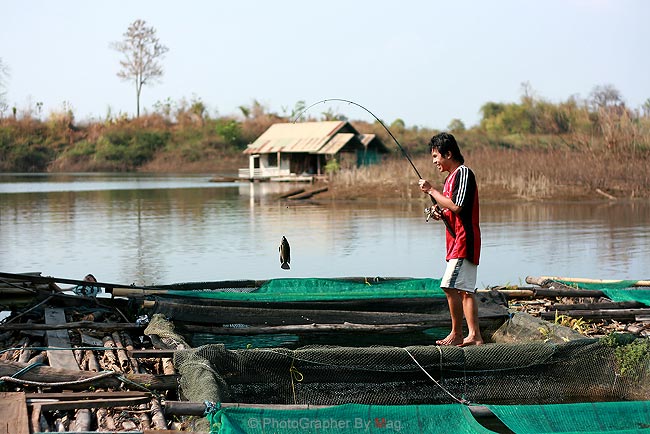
130, 149
231, 131
28, 158
82, 148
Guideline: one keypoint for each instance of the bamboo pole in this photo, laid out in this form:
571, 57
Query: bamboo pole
35, 420
585, 280
596, 306
157, 414
110, 359
145, 420
105, 421
125, 363
617, 314
346, 327
185, 408
82, 419
128, 344
93, 364
512, 293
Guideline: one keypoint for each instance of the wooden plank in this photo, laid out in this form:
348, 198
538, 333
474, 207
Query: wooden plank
59, 339
193, 313
75, 396
93, 403
13, 413
102, 326
307, 194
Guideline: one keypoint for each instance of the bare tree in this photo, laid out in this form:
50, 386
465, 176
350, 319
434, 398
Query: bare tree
4, 76
605, 96
142, 50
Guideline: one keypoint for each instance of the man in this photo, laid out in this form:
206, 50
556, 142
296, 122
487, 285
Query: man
459, 203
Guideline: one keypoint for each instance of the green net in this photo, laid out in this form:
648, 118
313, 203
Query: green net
617, 284
616, 291
640, 295
592, 417
580, 370
349, 418
326, 289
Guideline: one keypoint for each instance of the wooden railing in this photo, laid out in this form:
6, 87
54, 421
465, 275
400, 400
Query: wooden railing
268, 172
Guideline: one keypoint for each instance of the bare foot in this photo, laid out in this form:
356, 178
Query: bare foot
452, 339
467, 342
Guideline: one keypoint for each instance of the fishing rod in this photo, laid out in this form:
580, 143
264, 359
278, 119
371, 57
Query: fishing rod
428, 211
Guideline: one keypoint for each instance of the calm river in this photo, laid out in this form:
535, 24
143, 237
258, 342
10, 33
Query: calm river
160, 229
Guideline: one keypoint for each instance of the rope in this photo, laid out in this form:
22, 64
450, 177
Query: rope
296, 375
22, 371
58, 384
460, 401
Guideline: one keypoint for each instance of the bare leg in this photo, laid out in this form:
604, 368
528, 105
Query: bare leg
470, 309
455, 303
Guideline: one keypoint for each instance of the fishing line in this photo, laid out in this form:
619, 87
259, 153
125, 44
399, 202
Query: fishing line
371, 114
433, 201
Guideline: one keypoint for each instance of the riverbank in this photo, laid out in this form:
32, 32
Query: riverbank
507, 174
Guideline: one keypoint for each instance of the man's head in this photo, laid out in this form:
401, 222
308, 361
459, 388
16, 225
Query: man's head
90, 278
446, 146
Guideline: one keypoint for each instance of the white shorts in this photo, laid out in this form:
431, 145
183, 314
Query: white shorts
460, 274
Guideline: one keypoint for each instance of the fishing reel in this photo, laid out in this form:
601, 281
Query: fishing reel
431, 211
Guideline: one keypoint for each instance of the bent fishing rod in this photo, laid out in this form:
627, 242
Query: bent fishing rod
428, 211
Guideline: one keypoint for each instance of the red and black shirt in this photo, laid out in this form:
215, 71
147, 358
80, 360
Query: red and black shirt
461, 188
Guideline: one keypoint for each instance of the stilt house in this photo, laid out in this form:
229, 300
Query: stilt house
300, 151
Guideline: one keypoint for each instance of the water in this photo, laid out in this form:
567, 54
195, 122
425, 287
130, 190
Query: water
159, 229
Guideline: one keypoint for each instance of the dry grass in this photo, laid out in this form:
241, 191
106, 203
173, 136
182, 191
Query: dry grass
505, 174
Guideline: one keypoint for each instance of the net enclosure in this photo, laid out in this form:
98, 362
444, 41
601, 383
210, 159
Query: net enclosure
532, 373
548, 367
534, 378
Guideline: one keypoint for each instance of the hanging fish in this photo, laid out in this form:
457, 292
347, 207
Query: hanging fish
285, 254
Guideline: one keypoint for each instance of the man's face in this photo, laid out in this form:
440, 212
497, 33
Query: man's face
441, 162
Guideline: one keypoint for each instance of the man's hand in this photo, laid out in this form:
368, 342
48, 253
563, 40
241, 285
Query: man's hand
434, 212
424, 185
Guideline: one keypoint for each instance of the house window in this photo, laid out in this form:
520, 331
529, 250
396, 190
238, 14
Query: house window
273, 160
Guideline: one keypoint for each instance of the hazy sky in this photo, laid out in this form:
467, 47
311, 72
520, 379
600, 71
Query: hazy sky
426, 62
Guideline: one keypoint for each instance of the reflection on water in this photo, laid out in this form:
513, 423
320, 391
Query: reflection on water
148, 229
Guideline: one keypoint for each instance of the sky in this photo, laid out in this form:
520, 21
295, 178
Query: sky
425, 62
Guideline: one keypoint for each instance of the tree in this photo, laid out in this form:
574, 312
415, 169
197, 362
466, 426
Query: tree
646, 108
605, 96
456, 126
4, 75
142, 50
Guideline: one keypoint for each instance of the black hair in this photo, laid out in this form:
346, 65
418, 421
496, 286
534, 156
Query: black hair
90, 276
445, 142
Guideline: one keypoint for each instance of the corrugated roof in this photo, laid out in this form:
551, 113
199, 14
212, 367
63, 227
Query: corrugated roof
337, 142
366, 138
307, 137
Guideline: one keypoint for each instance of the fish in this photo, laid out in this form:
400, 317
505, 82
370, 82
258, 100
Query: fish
285, 254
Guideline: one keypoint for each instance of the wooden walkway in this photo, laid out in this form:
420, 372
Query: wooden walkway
13, 413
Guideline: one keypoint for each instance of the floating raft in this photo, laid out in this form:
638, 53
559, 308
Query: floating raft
119, 364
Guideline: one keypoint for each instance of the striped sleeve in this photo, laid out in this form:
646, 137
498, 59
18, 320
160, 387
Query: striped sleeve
460, 186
